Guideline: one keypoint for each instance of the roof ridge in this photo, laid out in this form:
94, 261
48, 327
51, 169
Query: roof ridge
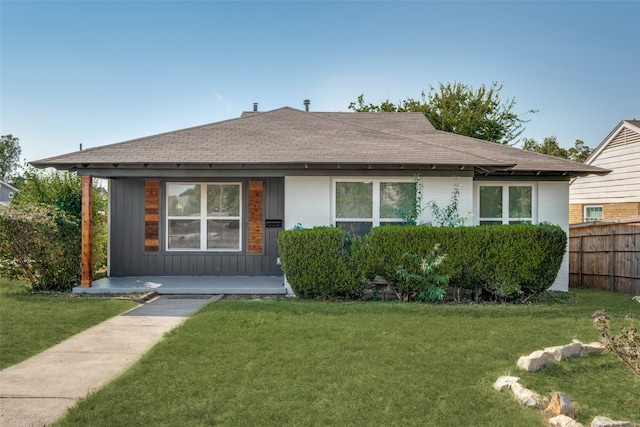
420, 139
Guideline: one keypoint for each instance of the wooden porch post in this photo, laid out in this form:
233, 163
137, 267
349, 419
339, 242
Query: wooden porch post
87, 240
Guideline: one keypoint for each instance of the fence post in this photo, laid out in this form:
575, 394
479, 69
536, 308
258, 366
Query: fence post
613, 260
580, 262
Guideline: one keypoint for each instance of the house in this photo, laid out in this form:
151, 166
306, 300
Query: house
7, 192
612, 196
211, 199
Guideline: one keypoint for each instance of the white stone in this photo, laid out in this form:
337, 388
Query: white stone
608, 422
592, 347
562, 352
563, 421
535, 361
528, 397
504, 382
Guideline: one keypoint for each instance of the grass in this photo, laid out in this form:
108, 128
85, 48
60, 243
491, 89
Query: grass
30, 323
301, 363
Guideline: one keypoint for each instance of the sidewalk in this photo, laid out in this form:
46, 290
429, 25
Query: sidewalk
39, 390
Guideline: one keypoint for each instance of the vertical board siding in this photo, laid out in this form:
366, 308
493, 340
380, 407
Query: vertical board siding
131, 210
152, 216
256, 221
606, 256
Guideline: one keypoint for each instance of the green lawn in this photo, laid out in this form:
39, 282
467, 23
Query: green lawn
300, 363
30, 324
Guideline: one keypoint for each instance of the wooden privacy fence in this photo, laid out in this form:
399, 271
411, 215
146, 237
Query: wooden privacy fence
606, 256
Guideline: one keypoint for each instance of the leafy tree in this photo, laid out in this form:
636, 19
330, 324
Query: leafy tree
459, 109
549, 146
63, 190
578, 153
9, 156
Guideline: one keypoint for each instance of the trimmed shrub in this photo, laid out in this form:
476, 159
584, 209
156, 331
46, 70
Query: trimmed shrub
317, 263
40, 244
506, 261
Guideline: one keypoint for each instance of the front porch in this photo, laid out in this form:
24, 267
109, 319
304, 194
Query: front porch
188, 285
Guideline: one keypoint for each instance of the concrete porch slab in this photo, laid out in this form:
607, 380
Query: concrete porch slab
188, 285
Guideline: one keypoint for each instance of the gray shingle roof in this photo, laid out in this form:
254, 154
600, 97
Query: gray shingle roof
288, 136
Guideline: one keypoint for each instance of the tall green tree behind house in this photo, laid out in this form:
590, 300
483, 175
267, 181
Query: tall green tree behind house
549, 146
9, 156
578, 153
458, 108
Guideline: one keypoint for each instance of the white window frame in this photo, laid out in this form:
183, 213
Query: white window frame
376, 181
203, 217
588, 219
505, 200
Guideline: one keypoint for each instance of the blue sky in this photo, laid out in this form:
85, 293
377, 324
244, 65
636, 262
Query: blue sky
98, 72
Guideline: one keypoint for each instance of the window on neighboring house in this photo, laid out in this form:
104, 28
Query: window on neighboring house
593, 213
204, 216
505, 204
362, 204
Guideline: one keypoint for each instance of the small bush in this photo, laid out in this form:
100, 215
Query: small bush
420, 278
40, 244
317, 263
625, 345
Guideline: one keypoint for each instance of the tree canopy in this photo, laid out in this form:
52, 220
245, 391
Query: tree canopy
578, 153
460, 109
9, 156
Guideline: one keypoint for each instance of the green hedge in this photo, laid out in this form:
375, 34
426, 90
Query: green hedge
505, 262
317, 263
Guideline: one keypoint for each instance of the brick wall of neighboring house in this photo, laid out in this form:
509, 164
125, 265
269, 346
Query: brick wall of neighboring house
620, 210
576, 212
610, 211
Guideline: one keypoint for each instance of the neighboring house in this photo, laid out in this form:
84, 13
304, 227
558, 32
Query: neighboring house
7, 192
211, 199
616, 195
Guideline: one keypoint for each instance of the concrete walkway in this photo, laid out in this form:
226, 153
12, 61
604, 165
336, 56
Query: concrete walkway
39, 390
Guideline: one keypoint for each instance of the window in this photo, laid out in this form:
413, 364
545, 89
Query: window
204, 216
593, 213
362, 204
505, 204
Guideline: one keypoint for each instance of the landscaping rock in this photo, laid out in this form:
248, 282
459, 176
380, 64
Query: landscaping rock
560, 404
535, 361
527, 397
592, 347
563, 421
504, 382
562, 352
608, 422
